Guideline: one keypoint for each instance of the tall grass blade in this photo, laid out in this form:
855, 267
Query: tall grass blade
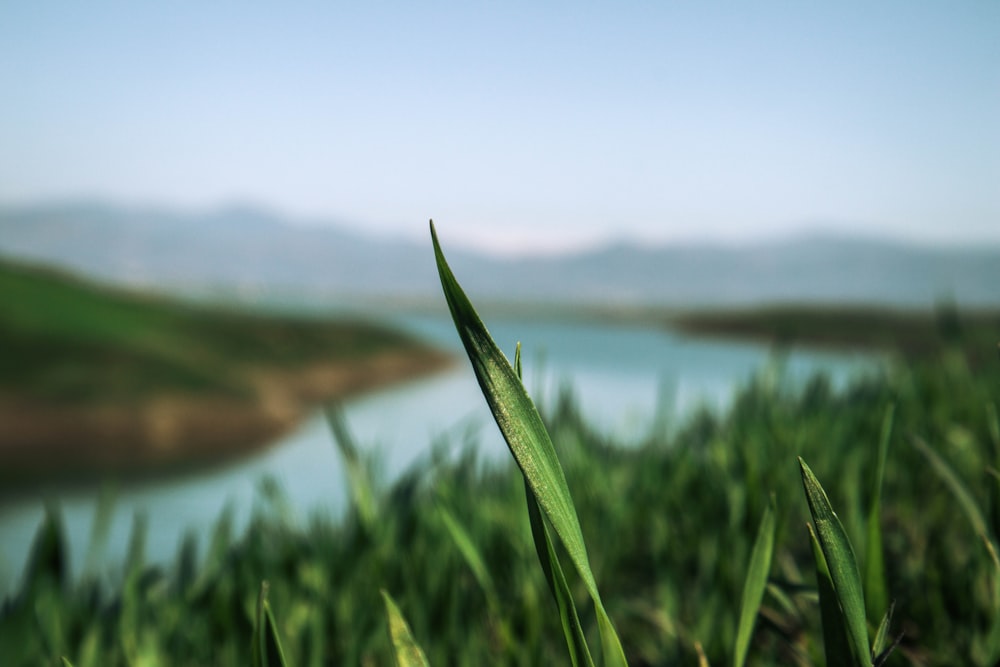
471, 554
962, 494
100, 528
48, 562
876, 593
842, 565
266, 650
569, 617
754, 585
527, 439
408, 652
835, 643
358, 478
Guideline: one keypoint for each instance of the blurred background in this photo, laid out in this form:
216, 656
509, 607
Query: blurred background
213, 220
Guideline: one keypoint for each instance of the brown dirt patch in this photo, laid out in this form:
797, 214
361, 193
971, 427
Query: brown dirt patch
164, 433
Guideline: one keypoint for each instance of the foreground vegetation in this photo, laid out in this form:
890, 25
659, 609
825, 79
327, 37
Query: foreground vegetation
671, 527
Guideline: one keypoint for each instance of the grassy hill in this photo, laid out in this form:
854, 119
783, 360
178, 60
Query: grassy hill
107, 376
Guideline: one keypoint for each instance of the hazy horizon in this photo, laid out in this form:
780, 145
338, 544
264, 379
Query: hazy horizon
829, 231
521, 126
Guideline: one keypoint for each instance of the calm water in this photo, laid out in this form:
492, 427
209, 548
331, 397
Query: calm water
626, 379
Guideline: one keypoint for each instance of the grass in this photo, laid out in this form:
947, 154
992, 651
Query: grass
910, 334
94, 379
696, 539
72, 341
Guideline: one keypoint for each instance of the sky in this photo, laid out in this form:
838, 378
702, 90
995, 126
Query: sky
518, 127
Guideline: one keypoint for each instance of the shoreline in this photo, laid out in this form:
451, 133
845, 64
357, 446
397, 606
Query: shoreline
167, 434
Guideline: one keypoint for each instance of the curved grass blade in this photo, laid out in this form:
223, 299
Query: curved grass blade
408, 652
527, 439
842, 565
576, 640
754, 585
266, 650
876, 593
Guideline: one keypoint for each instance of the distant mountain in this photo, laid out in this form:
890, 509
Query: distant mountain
252, 252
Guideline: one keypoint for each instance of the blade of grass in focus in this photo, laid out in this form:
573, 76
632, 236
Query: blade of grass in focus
876, 593
842, 565
569, 617
408, 652
754, 585
527, 439
835, 642
266, 650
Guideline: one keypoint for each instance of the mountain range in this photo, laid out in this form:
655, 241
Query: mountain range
257, 254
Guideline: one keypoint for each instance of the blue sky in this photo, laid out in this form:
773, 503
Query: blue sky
514, 125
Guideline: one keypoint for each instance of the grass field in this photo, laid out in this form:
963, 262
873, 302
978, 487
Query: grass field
670, 525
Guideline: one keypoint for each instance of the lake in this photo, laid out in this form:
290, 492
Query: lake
626, 379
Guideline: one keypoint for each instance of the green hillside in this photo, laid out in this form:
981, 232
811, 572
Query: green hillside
97, 381
65, 339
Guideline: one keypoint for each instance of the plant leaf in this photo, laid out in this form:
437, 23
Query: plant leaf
358, 477
876, 593
408, 652
882, 636
754, 585
842, 565
266, 650
527, 439
48, 564
835, 643
576, 640
471, 555
962, 494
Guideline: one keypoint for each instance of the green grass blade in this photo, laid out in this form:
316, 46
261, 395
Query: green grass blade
754, 585
957, 487
266, 650
882, 635
408, 652
876, 593
576, 640
842, 564
358, 477
527, 439
569, 617
471, 554
48, 563
835, 642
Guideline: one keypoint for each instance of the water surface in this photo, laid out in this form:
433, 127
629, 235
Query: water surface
626, 379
